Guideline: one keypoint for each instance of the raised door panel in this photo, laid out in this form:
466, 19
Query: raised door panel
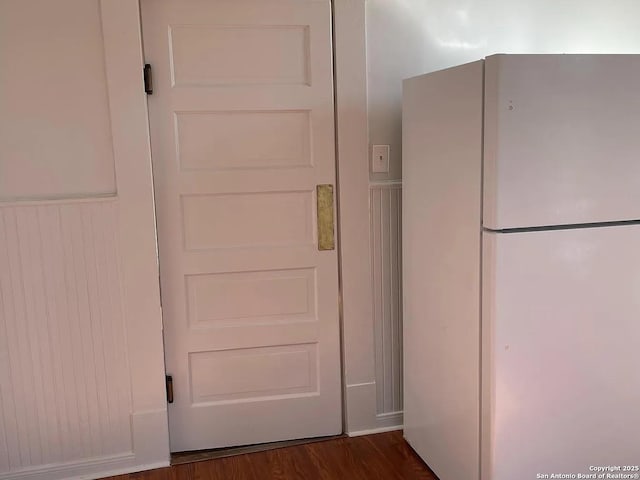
271, 54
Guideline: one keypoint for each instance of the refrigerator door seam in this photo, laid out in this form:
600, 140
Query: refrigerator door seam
617, 223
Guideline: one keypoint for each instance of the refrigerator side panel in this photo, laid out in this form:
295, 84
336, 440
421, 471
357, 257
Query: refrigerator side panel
565, 335
442, 144
562, 140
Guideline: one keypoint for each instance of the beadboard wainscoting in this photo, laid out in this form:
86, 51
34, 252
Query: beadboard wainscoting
386, 266
66, 393
65, 386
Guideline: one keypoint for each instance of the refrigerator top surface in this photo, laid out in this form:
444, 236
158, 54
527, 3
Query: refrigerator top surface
561, 140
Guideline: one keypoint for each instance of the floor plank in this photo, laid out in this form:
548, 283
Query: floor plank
384, 456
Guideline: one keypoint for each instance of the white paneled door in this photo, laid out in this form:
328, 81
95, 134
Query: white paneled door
242, 132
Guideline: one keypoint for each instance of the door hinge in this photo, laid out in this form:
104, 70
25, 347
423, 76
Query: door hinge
148, 79
169, 381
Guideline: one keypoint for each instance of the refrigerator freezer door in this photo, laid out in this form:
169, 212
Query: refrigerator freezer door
561, 330
562, 139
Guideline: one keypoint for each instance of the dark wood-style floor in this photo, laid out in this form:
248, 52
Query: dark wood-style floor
382, 456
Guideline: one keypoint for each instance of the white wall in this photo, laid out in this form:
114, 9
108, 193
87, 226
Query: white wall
81, 362
55, 136
410, 37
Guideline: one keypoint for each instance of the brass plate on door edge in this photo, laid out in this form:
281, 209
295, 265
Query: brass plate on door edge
324, 208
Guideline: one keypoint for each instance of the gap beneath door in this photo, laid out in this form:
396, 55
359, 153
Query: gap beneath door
180, 458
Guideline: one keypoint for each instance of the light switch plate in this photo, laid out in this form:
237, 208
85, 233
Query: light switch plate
380, 159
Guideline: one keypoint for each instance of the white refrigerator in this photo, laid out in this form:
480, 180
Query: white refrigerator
521, 267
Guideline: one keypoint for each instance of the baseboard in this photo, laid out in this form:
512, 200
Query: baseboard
372, 431
123, 471
151, 437
150, 450
361, 406
390, 419
88, 469
92, 468
385, 422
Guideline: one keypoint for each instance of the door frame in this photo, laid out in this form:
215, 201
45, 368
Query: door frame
352, 179
136, 233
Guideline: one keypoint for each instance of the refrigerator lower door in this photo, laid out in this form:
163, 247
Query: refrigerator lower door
561, 356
